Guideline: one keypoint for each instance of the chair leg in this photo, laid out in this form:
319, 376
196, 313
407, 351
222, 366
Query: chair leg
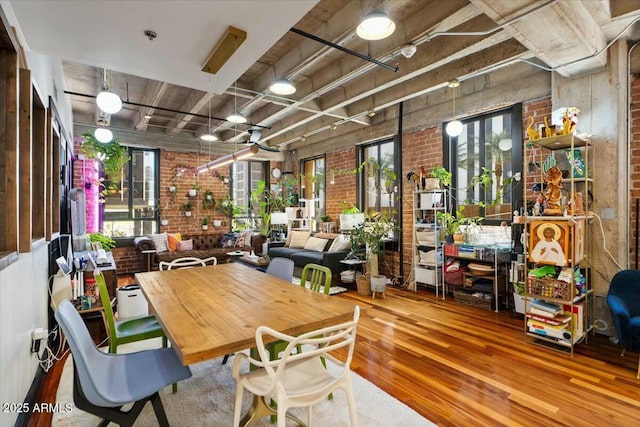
351, 402
159, 410
225, 358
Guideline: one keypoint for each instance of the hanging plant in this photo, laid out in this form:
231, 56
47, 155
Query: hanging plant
208, 201
111, 155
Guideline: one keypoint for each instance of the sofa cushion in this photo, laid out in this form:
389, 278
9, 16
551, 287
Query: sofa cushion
316, 244
172, 241
302, 257
299, 238
228, 240
160, 241
244, 239
185, 245
282, 251
340, 243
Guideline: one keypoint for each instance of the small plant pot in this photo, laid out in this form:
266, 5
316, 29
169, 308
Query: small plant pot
208, 197
458, 238
187, 214
164, 222
217, 223
172, 189
378, 283
193, 193
205, 227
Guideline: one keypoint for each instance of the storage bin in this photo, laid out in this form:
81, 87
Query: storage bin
473, 298
548, 287
430, 200
428, 238
425, 275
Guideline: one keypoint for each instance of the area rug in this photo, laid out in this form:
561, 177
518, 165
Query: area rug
208, 397
334, 289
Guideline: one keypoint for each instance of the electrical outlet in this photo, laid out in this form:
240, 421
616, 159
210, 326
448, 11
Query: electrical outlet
36, 338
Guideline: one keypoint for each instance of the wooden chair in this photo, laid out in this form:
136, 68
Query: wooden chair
103, 383
300, 379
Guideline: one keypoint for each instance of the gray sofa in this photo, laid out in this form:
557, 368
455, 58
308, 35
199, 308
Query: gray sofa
302, 257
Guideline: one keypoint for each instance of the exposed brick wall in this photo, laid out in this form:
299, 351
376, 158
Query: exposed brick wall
344, 188
634, 162
128, 260
539, 109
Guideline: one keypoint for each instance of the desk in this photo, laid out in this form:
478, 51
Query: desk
212, 311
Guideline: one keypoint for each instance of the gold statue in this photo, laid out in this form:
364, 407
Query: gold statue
531, 131
553, 194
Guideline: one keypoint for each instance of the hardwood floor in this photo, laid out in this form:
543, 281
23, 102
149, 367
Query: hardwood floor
460, 366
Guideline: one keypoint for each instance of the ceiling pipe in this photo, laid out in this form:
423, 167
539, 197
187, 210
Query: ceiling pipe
344, 49
136, 104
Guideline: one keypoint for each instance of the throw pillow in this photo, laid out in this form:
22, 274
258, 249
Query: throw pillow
228, 240
244, 239
299, 238
172, 241
340, 243
185, 245
316, 244
161, 241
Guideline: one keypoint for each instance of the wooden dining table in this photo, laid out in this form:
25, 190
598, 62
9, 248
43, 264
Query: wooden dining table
212, 311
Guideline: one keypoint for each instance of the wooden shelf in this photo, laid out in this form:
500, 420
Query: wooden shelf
559, 142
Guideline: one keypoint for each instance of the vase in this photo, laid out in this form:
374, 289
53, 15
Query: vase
164, 222
172, 189
187, 214
217, 223
193, 193
205, 227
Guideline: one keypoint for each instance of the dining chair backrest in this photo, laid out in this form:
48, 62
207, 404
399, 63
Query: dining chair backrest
184, 262
318, 276
106, 302
315, 344
281, 267
86, 355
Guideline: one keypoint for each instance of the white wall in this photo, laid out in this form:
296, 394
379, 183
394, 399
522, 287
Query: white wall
23, 284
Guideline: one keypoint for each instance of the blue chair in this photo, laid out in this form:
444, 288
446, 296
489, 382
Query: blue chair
281, 267
104, 382
623, 299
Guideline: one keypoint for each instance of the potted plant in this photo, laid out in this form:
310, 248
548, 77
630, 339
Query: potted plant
106, 242
205, 223
350, 216
186, 207
217, 223
193, 192
208, 202
376, 228
228, 208
163, 221
450, 224
111, 155
443, 176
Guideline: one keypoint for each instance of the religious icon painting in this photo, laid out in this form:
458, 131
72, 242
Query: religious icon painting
549, 243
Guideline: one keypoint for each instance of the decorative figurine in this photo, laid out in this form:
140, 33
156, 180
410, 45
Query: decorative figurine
533, 134
553, 194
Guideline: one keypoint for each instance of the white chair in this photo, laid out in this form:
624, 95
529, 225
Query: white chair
300, 379
185, 262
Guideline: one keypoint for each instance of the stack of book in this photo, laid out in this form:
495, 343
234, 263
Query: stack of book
548, 320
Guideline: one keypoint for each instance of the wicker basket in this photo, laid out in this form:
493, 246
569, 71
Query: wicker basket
548, 287
363, 282
466, 297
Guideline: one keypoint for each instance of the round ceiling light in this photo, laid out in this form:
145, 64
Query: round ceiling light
282, 87
109, 102
103, 135
236, 118
209, 137
376, 26
454, 128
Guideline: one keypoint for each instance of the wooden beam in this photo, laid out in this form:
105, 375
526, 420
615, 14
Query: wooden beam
24, 166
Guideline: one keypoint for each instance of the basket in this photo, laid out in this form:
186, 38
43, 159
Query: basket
548, 287
363, 283
467, 297
455, 277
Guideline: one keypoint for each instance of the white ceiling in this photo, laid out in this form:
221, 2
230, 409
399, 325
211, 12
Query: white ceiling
110, 34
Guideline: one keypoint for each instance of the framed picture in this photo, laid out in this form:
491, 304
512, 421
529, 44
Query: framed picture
549, 242
578, 239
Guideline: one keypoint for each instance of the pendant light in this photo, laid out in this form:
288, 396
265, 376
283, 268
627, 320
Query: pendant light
454, 127
108, 101
209, 137
375, 26
282, 87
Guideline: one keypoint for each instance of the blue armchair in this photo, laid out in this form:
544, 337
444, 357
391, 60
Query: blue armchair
623, 299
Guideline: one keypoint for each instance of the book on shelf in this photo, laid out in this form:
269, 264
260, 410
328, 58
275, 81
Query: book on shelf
545, 329
546, 306
556, 320
546, 334
578, 318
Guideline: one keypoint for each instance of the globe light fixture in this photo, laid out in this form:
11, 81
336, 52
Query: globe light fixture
375, 26
109, 102
103, 135
282, 87
209, 137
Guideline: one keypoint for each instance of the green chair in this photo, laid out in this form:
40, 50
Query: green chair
318, 276
127, 331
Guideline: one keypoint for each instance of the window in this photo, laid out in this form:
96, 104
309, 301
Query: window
130, 210
486, 164
378, 179
246, 176
312, 182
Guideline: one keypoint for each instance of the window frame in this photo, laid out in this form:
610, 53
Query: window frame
450, 158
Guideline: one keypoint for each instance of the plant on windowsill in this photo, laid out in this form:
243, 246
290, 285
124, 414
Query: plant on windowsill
107, 242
